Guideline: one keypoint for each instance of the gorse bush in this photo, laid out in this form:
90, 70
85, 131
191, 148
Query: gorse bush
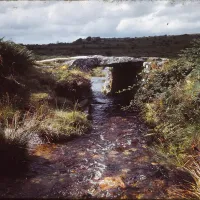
15, 59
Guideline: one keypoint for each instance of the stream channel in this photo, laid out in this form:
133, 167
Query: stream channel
113, 161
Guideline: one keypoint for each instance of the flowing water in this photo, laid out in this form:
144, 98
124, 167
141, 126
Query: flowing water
112, 161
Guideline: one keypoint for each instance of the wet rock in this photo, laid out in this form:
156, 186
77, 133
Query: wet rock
87, 196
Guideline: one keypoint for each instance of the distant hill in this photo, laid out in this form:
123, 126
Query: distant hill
157, 46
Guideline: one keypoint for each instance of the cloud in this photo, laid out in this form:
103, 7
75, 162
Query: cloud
52, 21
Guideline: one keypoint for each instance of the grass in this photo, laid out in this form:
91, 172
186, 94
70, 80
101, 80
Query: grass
62, 74
194, 170
62, 124
98, 72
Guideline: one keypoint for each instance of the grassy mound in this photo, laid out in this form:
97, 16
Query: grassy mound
61, 125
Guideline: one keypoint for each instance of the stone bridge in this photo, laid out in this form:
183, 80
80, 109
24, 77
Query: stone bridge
124, 69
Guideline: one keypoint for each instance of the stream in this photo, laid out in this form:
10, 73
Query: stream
113, 161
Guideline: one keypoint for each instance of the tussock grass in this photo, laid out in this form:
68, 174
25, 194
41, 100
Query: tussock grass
194, 170
63, 124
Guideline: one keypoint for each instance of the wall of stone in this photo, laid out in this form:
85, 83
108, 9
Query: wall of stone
124, 75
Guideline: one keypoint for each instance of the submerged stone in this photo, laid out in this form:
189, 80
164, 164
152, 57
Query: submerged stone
111, 182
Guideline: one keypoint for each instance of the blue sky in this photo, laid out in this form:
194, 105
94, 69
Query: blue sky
44, 22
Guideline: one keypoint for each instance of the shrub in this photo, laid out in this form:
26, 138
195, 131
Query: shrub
15, 59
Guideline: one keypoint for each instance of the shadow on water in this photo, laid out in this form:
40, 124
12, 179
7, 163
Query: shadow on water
113, 161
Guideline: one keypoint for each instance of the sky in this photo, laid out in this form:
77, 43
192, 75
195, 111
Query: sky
43, 22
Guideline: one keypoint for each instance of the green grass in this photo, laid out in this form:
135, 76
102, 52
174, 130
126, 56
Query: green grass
98, 72
63, 74
62, 124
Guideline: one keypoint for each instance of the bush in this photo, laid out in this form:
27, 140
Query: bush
15, 59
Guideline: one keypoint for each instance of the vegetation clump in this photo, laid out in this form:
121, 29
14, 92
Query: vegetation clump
61, 125
15, 59
98, 72
169, 100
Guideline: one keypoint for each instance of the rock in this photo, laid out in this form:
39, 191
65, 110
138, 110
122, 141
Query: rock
85, 64
88, 62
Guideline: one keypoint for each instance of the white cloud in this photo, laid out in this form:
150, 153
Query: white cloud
52, 21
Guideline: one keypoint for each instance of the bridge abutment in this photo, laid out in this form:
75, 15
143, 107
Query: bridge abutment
124, 75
